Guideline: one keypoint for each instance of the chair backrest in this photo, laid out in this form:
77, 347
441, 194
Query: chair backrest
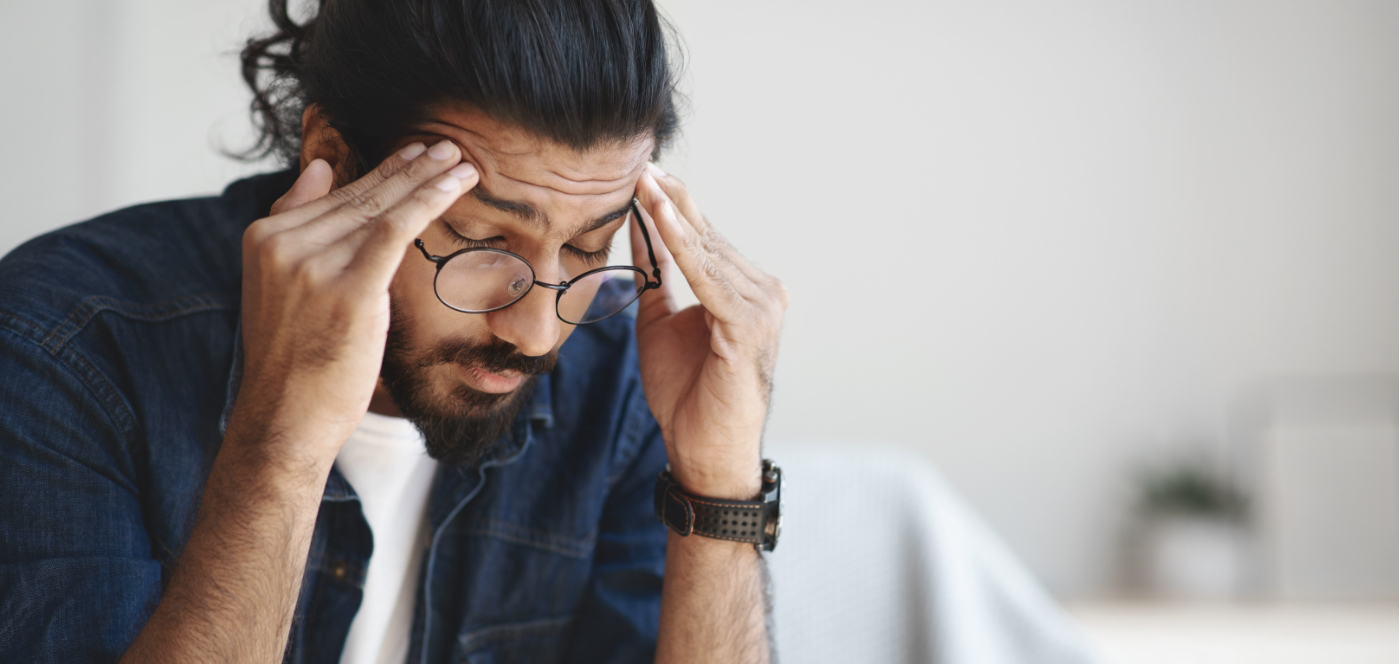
880, 561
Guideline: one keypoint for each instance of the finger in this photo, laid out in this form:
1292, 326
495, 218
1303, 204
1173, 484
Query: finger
314, 182
714, 240
397, 176
357, 209
379, 245
705, 272
728, 264
286, 217
680, 195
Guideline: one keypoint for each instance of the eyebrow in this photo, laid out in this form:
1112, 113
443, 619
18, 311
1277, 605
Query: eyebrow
532, 216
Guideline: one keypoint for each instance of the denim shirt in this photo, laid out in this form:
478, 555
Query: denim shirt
119, 358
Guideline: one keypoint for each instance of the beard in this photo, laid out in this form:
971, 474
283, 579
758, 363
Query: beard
459, 424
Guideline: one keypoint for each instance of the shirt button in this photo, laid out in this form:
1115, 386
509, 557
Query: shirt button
340, 571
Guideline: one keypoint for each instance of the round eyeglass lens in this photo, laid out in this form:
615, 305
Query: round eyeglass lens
483, 280
597, 295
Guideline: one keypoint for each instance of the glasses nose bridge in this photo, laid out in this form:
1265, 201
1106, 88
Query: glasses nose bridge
553, 287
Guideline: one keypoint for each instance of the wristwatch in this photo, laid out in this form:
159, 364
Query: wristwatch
757, 522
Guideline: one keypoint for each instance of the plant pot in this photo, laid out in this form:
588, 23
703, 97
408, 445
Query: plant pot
1193, 558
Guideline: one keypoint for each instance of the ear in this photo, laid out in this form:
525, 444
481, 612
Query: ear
319, 140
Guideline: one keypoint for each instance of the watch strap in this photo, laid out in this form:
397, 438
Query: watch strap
750, 521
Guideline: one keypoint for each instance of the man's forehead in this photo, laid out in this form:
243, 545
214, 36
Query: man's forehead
511, 158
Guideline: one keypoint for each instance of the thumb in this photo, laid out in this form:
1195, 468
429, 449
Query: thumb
313, 183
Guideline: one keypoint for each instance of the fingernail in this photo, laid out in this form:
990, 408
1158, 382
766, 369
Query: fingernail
448, 184
441, 150
463, 171
655, 168
412, 151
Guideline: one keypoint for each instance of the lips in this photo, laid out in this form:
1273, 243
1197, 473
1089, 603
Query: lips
494, 383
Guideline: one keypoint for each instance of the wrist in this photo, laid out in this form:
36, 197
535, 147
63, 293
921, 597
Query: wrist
288, 430
279, 453
739, 481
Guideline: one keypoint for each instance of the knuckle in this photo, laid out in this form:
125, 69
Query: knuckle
711, 270
423, 167
413, 171
391, 226
368, 203
715, 241
692, 241
254, 236
778, 291
306, 273
389, 166
277, 252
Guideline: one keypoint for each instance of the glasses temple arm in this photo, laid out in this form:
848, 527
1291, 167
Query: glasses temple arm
650, 253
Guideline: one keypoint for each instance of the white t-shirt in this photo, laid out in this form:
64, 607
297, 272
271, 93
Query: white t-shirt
386, 462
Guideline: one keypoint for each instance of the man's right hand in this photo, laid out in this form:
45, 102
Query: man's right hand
315, 319
316, 275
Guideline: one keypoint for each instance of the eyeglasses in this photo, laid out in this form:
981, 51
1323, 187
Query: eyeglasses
480, 280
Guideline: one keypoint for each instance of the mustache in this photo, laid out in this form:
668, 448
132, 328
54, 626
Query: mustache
495, 356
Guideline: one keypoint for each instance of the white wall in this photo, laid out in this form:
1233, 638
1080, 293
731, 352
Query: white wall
106, 103
1035, 241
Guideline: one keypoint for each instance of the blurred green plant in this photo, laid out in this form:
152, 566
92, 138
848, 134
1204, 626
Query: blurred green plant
1192, 487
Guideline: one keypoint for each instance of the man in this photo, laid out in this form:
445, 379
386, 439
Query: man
205, 404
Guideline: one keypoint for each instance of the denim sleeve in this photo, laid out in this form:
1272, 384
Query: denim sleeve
77, 578
620, 613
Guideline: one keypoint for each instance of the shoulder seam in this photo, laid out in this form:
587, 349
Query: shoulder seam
55, 344
120, 416
155, 312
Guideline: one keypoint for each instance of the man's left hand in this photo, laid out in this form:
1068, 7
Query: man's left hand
706, 369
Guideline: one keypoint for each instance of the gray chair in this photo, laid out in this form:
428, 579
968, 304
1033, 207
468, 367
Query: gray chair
880, 561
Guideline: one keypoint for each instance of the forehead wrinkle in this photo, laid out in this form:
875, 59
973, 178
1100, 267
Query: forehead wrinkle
522, 148
588, 187
507, 155
540, 221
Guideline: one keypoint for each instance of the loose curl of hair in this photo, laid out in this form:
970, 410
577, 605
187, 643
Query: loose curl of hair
579, 72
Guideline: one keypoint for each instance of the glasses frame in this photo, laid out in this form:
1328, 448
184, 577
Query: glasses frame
559, 288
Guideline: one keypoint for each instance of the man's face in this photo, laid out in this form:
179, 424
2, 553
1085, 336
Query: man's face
463, 377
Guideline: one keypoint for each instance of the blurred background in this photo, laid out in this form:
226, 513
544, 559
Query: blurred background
1126, 273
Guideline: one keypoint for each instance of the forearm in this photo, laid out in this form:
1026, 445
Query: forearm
714, 603
714, 597
234, 589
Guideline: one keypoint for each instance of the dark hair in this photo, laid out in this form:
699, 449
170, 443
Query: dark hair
579, 72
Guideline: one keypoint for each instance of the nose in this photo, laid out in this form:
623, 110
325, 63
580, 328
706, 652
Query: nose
531, 325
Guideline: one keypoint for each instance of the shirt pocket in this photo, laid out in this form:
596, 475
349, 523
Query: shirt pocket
530, 641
